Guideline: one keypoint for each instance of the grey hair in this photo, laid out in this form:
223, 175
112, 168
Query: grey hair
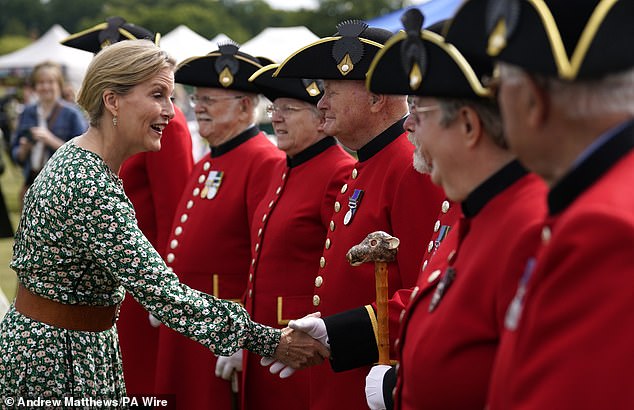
487, 111
611, 94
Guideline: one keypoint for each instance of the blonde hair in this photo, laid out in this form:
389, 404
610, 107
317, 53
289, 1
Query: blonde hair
48, 65
119, 68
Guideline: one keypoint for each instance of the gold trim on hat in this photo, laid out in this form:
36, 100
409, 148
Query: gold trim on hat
82, 33
450, 49
217, 54
261, 71
320, 41
568, 69
125, 33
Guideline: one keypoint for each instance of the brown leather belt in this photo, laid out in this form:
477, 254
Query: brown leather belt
73, 317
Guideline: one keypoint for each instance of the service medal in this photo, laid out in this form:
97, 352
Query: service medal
442, 287
515, 308
212, 184
353, 204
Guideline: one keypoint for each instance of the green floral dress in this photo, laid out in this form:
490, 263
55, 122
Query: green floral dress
78, 243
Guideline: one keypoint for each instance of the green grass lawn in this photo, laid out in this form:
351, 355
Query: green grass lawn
11, 182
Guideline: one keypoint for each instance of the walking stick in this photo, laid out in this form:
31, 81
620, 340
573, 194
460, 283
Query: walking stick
235, 390
378, 247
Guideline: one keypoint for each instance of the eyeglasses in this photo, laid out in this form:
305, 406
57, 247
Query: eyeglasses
415, 111
208, 101
283, 110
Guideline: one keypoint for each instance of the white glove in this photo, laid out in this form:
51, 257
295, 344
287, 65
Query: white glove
154, 322
277, 367
226, 365
313, 325
374, 387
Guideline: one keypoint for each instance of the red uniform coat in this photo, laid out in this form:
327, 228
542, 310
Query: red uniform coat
389, 195
569, 337
154, 182
209, 249
287, 239
446, 354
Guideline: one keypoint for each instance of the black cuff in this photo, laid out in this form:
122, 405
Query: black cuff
389, 383
352, 340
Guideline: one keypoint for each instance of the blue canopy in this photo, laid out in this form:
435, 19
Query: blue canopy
434, 11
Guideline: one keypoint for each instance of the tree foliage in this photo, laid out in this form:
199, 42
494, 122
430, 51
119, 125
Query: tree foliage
239, 19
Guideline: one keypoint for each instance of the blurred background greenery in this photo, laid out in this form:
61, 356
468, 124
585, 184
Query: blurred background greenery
23, 20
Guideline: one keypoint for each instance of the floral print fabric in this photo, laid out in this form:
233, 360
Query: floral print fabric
78, 243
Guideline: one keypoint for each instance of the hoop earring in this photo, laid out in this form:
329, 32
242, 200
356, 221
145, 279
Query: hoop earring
115, 121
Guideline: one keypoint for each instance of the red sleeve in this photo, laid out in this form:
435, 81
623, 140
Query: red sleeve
168, 171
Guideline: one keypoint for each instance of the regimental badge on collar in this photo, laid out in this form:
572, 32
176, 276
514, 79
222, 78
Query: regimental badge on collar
212, 184
353, 204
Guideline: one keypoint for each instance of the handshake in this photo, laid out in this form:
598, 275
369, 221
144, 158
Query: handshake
304, 343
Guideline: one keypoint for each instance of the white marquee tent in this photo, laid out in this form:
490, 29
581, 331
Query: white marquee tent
277, 43
47, 47
182, 43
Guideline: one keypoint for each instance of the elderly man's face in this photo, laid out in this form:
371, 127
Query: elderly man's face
346, 106
517, 98
436, 146
218, 112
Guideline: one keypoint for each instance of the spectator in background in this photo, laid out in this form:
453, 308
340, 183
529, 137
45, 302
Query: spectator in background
46, 124
154, 182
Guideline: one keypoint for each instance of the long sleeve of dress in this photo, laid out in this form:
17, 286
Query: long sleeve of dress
115, 242
81, 245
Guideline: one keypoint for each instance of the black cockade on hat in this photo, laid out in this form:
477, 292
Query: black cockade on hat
413, 53
502, 17
110, 34
348, 50
226, 65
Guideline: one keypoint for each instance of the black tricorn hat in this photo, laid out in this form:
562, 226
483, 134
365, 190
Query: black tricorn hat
584, 39
346, 55
275, 87
421, 62
224, 68
113, 30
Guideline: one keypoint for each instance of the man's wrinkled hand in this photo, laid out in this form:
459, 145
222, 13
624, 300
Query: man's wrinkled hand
314, 325
298, 350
